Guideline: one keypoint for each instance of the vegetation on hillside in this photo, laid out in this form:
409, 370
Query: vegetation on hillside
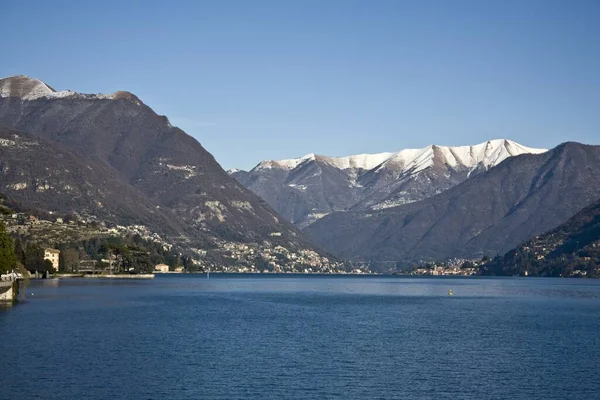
7, 254
572, 249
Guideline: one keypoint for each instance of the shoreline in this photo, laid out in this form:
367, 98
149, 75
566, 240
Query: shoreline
123, 276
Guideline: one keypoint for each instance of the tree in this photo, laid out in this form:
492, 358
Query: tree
19, 251
8, 260
34, 258
69, 260
48, 267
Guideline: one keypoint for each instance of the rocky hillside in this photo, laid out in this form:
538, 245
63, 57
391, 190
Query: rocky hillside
112, 156
489, 214
308, 188
572, 249
47, 176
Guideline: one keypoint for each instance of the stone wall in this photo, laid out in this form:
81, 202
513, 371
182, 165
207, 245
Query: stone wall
9, 291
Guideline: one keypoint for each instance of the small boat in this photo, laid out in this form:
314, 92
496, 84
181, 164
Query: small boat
450, 293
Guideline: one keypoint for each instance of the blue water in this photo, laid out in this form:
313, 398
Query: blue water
303, 337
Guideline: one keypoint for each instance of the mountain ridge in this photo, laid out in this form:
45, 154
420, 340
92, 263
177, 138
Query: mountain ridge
28, 88
409, 156
571, 249
486, 215
307, 188
169, 169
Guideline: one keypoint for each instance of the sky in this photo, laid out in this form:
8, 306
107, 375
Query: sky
256, 80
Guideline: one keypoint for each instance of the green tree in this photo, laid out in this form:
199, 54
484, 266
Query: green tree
8, 260
19, 251
34, 257
48, 267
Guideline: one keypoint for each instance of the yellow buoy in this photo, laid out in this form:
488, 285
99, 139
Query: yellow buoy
450, 292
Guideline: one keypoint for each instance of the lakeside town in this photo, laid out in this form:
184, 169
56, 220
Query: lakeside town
111, 256
109, 259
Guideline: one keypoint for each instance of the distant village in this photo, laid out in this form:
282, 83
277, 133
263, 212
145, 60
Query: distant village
453, 267
236, 257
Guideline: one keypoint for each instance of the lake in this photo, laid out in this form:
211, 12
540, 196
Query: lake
303, 337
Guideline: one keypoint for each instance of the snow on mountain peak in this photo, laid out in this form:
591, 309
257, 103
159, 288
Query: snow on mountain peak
358, 161
24, 87
288, 164
487, 154
28, 88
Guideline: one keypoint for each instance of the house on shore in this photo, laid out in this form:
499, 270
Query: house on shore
52, 255
161, 268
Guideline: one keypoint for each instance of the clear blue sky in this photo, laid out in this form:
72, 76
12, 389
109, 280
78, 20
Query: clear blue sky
255, 80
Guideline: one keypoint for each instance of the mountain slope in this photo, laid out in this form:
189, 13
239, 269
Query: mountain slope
160, 164
571, 249
488, 214
307, 188
47, 176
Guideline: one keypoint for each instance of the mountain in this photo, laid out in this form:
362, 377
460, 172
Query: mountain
308, 188
47, 176
490, 213
112, 156
571, 249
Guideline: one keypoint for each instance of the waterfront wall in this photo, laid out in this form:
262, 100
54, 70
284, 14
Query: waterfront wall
128, 276
9, 291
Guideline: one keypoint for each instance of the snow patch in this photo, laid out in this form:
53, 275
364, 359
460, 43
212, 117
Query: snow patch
242, 205
7, 143
284, 164
190, 170
297, 187
28, 88
18, 186
216, 210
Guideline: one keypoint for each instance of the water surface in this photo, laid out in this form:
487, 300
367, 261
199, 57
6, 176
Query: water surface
303, 337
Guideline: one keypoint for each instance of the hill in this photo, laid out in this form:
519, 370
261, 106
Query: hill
571, 249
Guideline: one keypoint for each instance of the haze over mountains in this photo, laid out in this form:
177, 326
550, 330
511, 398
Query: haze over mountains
113, 157
308, 188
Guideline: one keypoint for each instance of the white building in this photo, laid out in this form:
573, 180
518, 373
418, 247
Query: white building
161, 268
52, 255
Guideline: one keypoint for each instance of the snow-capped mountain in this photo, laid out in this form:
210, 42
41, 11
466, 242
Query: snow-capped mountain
307, 188
487, 214
26, 88
488, 154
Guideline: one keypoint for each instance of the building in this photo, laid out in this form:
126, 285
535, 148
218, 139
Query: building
161, 268
52, 255
88, 266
